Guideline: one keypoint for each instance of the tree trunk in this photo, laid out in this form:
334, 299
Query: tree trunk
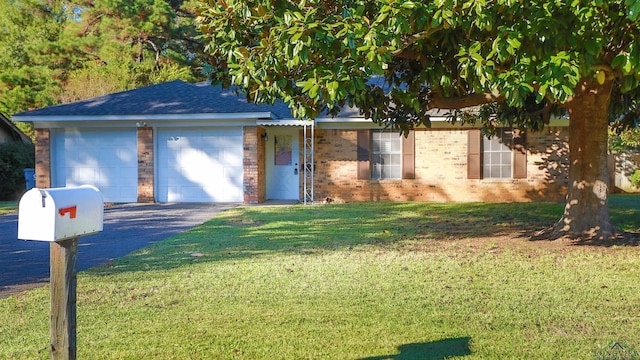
586, 213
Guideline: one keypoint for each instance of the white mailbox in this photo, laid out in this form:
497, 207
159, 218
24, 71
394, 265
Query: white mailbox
60, 213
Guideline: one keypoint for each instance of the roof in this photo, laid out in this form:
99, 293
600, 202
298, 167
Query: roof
170, 98
178, 100
15, 133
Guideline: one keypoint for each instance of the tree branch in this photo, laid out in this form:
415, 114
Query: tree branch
464, 101
412, 40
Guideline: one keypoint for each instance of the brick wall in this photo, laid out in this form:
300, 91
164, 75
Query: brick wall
254, 165
441, 170
145, 165
43, 158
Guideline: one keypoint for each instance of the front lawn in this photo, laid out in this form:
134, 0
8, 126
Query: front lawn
353, 281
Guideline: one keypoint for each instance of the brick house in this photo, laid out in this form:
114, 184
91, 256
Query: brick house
180, 142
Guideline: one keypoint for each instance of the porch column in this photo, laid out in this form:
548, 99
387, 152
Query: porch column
253, 165
43, 158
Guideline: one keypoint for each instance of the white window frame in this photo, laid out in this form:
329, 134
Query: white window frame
385, 148
497, 155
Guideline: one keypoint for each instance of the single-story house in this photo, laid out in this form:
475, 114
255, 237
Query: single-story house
9, 132
181, 142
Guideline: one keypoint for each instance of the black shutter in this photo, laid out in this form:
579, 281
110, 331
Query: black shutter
474, 154
364, 172
409, 156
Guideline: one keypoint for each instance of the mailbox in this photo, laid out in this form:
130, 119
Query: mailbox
60, 213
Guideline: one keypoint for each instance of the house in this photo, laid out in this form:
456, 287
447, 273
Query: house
181, 142
9, 132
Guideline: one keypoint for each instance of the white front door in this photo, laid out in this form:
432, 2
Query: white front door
283, 163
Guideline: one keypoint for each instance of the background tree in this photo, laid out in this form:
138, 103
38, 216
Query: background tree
55, 51
397, 59
14, 157
30, 60
134, 43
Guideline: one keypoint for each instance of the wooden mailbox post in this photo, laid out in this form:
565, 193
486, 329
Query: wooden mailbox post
60, 216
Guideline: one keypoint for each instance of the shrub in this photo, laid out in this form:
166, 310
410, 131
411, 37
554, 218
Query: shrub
635, 178
14, 158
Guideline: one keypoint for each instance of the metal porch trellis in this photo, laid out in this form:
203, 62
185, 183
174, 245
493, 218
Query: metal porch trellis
309, 162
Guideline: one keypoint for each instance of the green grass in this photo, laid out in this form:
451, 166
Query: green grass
8, 207
352, 281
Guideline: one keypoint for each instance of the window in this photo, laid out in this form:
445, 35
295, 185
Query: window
497, 155
282, 150
386, 155
504, 156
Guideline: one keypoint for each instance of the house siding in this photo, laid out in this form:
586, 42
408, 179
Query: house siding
441, 158
440, 170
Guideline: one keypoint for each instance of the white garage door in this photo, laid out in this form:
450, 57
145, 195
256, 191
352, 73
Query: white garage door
106, 159
200, 165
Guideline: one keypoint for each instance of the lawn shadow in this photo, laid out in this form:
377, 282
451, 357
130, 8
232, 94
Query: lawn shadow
436, 350
253, 232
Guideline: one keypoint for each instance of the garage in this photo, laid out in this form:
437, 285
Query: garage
200, 164
104, 158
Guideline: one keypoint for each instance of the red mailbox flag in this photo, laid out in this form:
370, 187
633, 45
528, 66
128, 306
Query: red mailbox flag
72, 210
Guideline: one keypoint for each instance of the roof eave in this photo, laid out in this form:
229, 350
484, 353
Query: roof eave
156, 117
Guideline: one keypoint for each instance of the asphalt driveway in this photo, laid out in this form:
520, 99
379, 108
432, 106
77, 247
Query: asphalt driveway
127, 227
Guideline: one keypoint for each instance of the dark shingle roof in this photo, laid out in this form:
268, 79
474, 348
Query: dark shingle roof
10, 128
170, 98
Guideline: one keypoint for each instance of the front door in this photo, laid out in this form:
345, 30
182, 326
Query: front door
283, 163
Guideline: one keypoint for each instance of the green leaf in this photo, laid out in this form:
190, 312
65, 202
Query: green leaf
313, 92
332, 88
619, 60
592, 46
514, 43
633, 9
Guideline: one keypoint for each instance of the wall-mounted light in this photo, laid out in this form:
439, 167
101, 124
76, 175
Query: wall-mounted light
141, 124
265, 137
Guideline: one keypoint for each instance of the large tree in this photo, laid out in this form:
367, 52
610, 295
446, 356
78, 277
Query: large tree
514, 61
136, 43
54, 51
30, 63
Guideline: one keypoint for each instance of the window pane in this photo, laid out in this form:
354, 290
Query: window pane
385, 146
386, 155
375, 146
506, 171
396, 144
376, 171
395, 172
282, 150
495, 171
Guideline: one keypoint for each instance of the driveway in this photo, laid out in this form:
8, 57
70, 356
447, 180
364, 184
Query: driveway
127, 227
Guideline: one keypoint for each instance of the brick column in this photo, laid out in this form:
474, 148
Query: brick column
145, 165
43, 158
253, 165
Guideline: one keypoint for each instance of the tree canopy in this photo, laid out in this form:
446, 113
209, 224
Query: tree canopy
396, 60
57, 51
